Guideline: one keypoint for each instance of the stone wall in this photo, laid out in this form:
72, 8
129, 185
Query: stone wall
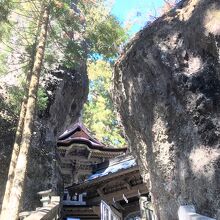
167, 91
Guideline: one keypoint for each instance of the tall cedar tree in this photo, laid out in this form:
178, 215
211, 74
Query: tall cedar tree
21, 165
18, 138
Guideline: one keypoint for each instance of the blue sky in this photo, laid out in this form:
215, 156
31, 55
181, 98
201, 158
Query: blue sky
135, 12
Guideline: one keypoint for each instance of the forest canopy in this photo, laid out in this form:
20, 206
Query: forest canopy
76, 32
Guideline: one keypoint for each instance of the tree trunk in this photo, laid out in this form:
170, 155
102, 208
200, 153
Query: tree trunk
18, 135
21, 166
14, 157
16, 148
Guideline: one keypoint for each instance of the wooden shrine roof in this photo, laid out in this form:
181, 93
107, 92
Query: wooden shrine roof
114, 166
120, 166
78, 133
119, 180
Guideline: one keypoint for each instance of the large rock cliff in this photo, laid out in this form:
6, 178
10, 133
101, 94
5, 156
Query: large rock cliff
167, 91
67, 91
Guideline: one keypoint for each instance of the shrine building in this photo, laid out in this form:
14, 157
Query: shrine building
100, 182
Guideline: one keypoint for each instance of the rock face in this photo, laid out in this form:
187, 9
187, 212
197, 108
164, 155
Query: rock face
67, 91
167, 91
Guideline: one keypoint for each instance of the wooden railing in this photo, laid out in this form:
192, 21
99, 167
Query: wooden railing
188, 212
49, 211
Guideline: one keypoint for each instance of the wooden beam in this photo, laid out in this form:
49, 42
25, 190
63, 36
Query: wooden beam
81, 212
118, 205
118, 195
126, 184
100, 192
115, 176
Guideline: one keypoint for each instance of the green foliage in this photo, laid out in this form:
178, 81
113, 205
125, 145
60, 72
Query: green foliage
103, 32
16, 94
64, 49
7, 119
73, 36
5, 9
98, 114
42, 99
5, 29
3, 60
5, 6
103, 36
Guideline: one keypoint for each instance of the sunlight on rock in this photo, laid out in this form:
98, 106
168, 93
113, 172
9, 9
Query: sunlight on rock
160, 136
186, 13
202, 161
212, 20
142, 147
194, 65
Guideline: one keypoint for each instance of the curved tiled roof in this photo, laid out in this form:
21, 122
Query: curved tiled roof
78, 133
122, 163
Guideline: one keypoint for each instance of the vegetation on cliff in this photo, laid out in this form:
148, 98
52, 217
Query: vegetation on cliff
98, 113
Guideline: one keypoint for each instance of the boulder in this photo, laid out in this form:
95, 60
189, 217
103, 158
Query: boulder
167, 92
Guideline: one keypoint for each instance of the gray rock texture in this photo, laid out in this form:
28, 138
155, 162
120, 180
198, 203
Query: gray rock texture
67, 91
167, 92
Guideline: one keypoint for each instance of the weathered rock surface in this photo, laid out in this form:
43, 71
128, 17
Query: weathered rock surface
67, 91
167, 91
